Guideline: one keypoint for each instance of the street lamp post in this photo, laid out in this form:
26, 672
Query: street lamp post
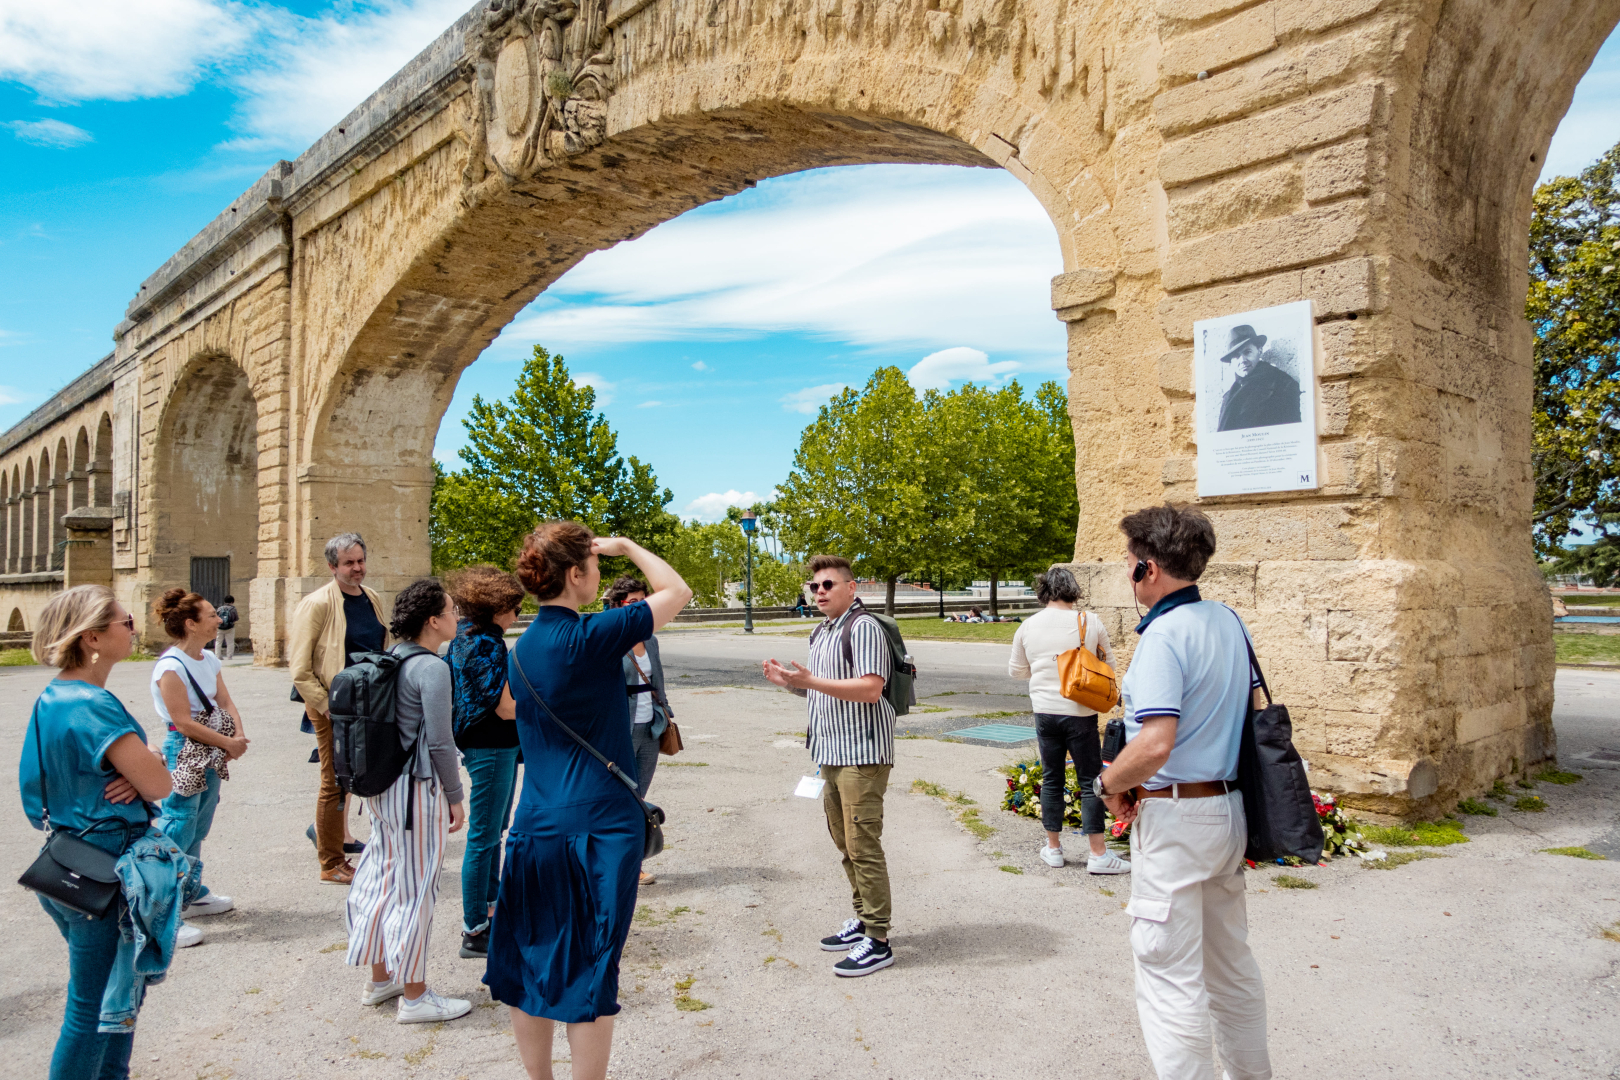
750, 522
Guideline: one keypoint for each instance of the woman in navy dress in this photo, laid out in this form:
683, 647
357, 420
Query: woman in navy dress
573, 854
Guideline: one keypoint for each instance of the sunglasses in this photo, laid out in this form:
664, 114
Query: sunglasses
817, 586
127, 622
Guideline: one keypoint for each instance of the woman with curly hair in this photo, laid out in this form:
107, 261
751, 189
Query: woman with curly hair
485, 722
389, 910
574, 852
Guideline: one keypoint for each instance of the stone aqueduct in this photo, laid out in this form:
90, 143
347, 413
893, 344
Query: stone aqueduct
281, 377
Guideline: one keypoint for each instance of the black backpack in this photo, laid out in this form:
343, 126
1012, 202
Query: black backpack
901, 689
368, 754
1277, 800
227, 616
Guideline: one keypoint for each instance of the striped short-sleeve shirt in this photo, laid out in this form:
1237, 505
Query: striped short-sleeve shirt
850, 732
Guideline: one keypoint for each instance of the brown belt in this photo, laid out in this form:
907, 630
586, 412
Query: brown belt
1203, 789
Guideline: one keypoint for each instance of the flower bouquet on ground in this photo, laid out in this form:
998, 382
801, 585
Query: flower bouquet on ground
1340, 835
1023, 794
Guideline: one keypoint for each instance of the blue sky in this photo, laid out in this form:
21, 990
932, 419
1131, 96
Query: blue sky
126, 125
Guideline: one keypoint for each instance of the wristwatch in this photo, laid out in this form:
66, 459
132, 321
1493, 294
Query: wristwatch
1097, 788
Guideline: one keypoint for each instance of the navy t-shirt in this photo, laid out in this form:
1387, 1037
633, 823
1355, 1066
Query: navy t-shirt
362, 632
574, 663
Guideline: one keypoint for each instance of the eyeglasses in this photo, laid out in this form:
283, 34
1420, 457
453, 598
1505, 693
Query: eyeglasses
818, 586
127, 622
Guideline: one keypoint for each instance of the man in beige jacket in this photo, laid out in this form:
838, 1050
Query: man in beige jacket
339, 618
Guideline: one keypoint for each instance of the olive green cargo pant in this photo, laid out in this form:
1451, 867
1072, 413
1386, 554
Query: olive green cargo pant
853, 800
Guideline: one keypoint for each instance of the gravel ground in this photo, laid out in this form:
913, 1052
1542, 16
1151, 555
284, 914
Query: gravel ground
1488, 962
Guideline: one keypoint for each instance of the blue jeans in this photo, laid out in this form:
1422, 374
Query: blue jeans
82, 1052
187, 819
493, 773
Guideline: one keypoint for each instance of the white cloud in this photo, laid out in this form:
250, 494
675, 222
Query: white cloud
937, 371
118, 49
880, 256
809, 400
712, 507
12, 396
649, 405
603, 388
51, 133
700, 366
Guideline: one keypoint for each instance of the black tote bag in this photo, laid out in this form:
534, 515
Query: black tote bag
1276, 791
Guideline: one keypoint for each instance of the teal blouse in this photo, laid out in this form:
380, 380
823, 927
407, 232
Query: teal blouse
75, 723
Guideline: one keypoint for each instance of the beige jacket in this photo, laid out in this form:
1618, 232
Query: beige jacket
315, 653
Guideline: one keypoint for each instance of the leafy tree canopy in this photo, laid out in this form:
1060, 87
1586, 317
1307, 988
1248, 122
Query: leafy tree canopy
1574, 308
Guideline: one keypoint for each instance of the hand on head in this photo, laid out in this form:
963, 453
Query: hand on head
610, 546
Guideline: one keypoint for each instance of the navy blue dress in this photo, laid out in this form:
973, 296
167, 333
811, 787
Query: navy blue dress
573, 855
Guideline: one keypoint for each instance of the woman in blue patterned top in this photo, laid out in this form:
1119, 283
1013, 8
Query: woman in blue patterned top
97, 772
484, 719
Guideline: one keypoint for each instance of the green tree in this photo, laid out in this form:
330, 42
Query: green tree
1010, 507
543, 453
1599, 560
858, 486
1574, 308
707, 556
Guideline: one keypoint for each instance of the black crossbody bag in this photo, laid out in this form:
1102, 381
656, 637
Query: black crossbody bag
653, 838
69, 869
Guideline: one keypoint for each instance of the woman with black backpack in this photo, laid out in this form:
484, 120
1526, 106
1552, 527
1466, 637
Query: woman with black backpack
390, 905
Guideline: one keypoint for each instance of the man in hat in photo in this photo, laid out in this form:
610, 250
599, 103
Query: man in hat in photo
1262, 394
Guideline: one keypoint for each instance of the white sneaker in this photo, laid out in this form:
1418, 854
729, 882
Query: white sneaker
376, 995
212, 904
1051, 856
1108, 863
187, 937
431, 1008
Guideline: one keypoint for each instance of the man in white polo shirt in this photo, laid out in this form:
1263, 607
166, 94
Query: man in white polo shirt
1185, 695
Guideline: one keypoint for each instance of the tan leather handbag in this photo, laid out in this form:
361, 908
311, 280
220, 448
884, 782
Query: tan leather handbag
1086, 680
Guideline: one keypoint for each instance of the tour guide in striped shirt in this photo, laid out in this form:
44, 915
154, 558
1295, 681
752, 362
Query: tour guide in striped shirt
851, 737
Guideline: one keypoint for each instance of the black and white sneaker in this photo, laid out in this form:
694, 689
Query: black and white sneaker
866, 957
851, 932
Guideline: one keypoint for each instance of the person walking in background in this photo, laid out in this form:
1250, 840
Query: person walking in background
225, 640
389, 910
569, 888
84, 749
186, 691
650, 712
484, 718
339, 618
851, 738
1186, 697
1062, 728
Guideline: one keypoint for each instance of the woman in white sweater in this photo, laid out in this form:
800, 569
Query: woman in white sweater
1061, 731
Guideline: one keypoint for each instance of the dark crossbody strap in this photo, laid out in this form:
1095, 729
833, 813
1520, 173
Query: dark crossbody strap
646, 677
617, 772
1254, 661
194, 685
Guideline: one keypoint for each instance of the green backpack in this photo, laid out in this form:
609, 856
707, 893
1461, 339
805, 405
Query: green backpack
901, 689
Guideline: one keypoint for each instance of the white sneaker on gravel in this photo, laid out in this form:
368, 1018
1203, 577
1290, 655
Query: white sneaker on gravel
187, 937
431, 1008
1107, 864
1051, 856
212, 904
376, 993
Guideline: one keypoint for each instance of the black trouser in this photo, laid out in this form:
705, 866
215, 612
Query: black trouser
1060, 737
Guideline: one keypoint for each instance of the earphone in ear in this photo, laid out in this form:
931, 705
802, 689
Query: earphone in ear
1141, 570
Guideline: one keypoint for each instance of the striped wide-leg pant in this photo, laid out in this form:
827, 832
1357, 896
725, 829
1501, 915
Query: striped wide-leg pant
390, 907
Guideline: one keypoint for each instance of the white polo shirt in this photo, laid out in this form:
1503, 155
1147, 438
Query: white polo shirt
1192, 663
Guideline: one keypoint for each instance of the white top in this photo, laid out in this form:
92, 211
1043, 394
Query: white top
205, 671
642, 704
1036, 645
1193, 664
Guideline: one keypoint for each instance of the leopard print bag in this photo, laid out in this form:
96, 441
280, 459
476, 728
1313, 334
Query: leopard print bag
191, 765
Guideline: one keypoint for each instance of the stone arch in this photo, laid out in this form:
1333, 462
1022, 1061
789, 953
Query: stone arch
14, 514
5, 522
206, 467
60, 489
15, 624
101, 463
80, 492
25, 561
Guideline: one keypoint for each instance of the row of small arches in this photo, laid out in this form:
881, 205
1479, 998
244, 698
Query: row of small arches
36, 493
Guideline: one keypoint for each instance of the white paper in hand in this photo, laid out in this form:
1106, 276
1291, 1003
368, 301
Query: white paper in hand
810, 787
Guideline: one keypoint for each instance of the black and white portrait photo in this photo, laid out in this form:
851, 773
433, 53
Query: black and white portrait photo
1254, 376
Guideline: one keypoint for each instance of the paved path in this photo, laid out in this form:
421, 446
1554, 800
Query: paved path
1487, 963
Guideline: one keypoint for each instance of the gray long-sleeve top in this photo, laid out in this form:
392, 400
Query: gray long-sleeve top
424, 691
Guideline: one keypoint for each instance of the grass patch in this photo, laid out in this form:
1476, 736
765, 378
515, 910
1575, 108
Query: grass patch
1423, 834
1289, 881
970, 820
1477, 808
930, 708
928, 787
1558, 776
1105, 891
1499, 790
684, 1001
336, 946
999, 714
1400, 858
419, 1055
138, 655
1586, 648
686, 764
1530, 804
961, 806
1575, 853
1011, 870
16, 658
1598, 599
1524, 783
1611, 932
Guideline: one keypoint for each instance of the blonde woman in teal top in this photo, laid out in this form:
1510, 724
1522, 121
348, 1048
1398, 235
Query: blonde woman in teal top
97, 769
